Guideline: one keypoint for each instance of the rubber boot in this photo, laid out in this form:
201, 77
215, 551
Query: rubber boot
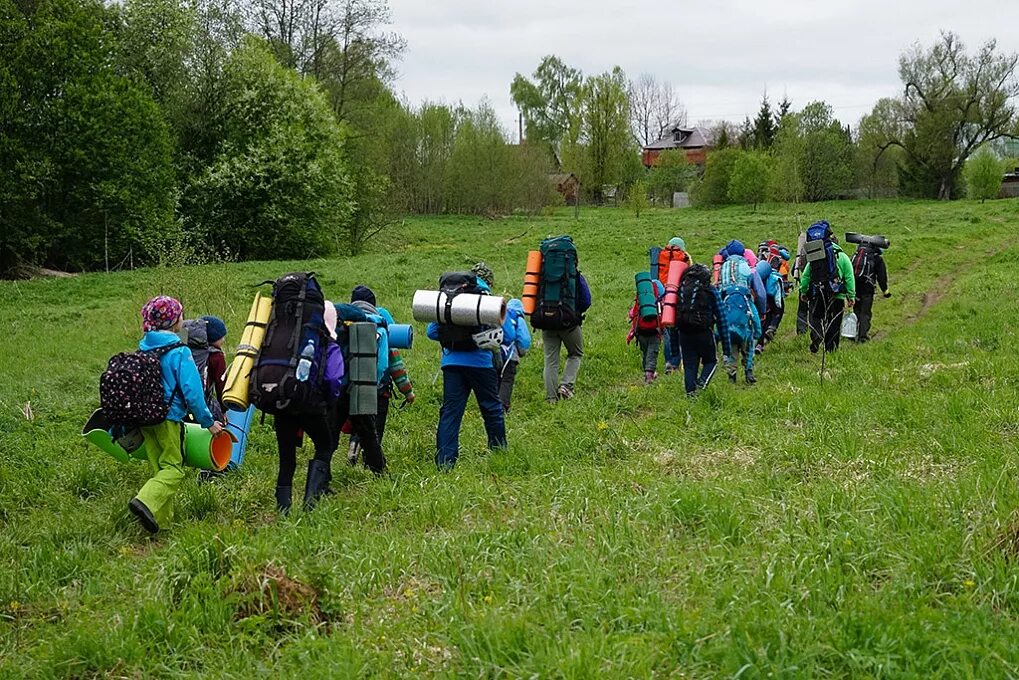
750, 376
283, 499
144, 515
318, 482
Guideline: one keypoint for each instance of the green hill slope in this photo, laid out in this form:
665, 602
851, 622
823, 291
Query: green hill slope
859, 527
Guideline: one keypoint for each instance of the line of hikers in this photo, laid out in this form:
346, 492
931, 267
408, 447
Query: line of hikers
318, 376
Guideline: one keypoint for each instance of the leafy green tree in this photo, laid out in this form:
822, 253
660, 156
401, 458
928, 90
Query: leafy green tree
877, 165
636, 198
713, 188
606, 131
786, 181
983, 175
826, 167
278, 186
551, 104
748, 182
953, 103
671, 173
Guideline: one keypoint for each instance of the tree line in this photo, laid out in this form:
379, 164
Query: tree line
191, 130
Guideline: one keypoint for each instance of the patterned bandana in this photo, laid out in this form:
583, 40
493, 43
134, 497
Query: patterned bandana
161, 313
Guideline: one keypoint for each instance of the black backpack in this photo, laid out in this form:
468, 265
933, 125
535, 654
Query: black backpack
695, 310
452, 337
297, 320
131, 388
863, 265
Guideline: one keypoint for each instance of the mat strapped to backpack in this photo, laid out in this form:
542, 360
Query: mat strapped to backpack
297, 320
557, 292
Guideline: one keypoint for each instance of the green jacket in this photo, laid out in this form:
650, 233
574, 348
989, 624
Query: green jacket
845, 269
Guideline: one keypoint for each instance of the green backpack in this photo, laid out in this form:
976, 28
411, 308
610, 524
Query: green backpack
557, 288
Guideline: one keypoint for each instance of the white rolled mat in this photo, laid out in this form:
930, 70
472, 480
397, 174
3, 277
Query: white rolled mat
466, 309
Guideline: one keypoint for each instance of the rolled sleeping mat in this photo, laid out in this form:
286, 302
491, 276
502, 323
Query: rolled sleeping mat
670, 304
814, 250
239, 423
465, 309
864, 239
716, 269
361, 371
647, 301
532, 280
653, 253
235, 394
401, 336
201, 449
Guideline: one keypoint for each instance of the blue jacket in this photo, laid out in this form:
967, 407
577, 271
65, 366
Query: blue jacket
518, 343
476, 358
583, 294
182, 385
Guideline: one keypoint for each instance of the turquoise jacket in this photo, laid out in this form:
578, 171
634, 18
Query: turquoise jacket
182, 385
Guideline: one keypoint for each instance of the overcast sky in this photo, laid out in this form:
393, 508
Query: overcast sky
720, 55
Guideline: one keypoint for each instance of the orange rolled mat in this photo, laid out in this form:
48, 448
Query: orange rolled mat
671, 300
532, 277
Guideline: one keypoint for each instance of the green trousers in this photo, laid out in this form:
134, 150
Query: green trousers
163, 443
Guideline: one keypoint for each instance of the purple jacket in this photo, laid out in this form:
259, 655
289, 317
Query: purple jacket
333, 376
583, 294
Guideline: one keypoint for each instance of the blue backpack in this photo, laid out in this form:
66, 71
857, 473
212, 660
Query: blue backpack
736, 307
821, 256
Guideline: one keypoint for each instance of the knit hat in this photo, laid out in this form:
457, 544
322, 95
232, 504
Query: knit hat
329, 316
161, 313
678, 242
363, 294
214, 328
735, 248
484, 272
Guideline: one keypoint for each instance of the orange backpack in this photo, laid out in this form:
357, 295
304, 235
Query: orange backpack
666, 257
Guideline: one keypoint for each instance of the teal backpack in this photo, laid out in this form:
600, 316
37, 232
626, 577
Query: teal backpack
557, 287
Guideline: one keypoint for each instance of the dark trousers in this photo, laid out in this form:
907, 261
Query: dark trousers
287, 426
864, 312
457, 384
698, 349
826, 321
772, 320
380, 418
801, 316
671, 344
364, 428
506, 380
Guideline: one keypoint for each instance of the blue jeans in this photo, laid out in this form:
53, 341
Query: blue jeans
673, 350
457, 384
698, 348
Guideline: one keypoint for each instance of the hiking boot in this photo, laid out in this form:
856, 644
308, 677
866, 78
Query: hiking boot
669, 369
750, 377
649, 377
206, 476
317, 482
566, 391
283, 499
144, 515
814, 347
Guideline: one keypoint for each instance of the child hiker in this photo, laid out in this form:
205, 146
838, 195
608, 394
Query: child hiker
513, 347
162, 319
648, 333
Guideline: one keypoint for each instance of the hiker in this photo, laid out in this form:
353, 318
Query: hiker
828, 285
205, 337
737, 270
296, 379
675, 250
468, 365
699, 310
513, 348
869, 271
395, 372
648, 332
563, 298
162, 320
774, 287
798, 266
744, 327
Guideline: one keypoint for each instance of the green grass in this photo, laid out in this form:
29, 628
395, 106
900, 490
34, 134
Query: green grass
862, 527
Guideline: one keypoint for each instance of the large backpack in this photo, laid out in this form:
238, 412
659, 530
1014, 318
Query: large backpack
736, 271
297, 321
131, 388
824, 273
736, 307
665, 258
452, 337
557, 288
863, 265
198, 343
695, 310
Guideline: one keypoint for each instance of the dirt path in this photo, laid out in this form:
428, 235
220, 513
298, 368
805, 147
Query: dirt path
942, 284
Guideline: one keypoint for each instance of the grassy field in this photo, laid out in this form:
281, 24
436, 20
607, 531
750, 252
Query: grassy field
863, 527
